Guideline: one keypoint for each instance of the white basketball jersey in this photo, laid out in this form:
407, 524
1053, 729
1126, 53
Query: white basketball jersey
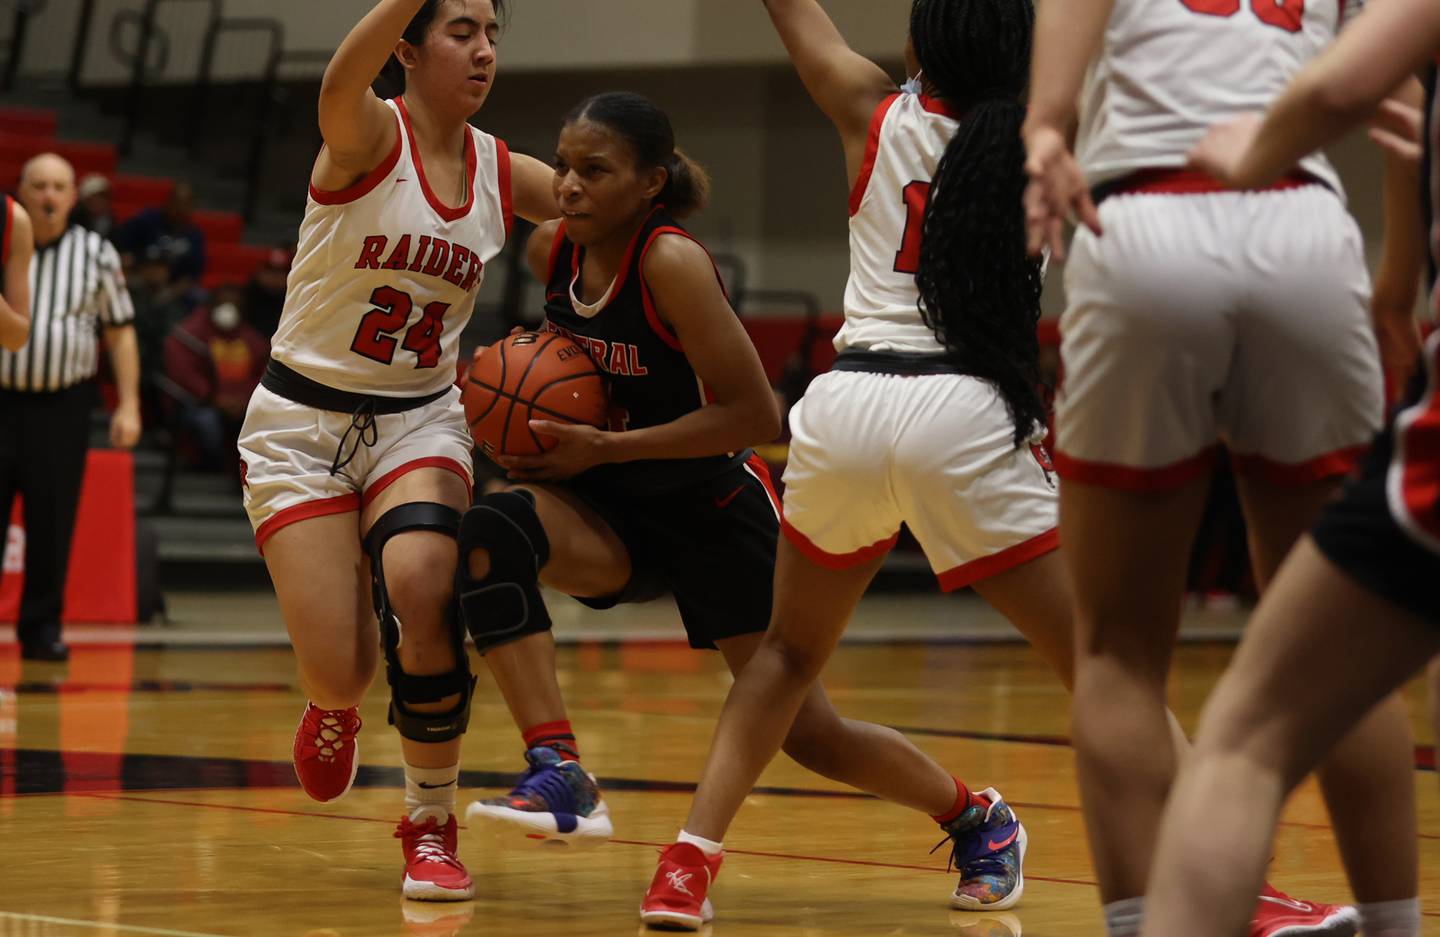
386, 274
908, 135
1173, 68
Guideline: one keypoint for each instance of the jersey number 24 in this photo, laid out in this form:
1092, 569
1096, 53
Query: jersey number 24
375, 338
1282, 14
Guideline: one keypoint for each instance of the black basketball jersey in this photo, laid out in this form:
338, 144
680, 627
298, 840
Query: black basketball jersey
650, 380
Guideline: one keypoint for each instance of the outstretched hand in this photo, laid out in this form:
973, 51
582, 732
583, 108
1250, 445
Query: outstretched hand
579, 447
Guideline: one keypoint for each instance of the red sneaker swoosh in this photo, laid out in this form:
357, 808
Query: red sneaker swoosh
723, 503
996, 847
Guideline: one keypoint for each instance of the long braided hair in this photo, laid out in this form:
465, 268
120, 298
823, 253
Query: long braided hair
979, 288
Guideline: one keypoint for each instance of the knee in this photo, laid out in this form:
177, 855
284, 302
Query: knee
798, 662
419, 579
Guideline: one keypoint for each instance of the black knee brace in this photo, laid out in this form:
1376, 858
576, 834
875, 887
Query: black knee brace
506, 604
406, 689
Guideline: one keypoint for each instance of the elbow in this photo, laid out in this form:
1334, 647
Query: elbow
1344, 101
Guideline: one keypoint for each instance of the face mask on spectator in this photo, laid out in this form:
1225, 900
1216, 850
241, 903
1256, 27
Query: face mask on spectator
225, 317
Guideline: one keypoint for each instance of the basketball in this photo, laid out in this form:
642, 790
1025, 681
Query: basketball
530, 376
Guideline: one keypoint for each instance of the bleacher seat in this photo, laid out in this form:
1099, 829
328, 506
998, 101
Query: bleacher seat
145, 190
220, 226
28, 121
85, 157
231, 263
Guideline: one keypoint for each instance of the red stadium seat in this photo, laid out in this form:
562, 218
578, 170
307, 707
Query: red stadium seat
125, 209
85, 157
220, 226
145, 190
232, 263
9, 174
28, 121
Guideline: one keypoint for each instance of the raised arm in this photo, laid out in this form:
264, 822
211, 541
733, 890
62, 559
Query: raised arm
358, 128
844, 84
1386, 43
15, 303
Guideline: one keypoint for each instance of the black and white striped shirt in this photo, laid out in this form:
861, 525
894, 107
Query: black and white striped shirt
76, 286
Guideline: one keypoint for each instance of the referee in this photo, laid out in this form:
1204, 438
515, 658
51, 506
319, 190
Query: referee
47, 390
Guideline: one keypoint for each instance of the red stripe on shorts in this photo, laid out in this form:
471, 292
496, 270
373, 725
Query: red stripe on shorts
967, 574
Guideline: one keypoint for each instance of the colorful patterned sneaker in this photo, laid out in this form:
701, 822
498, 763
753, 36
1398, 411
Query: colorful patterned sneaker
989, 850
1279, 915
676, 896
325, 751
556, 801
432, 870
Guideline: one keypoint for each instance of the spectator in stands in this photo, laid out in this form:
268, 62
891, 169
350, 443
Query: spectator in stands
47, 390
265, 293
95, 211
172, 228
216, 358
159, 307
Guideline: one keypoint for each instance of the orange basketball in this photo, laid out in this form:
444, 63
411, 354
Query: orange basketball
530, 376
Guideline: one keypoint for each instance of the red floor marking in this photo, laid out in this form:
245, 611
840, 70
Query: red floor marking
622, 842
869, 862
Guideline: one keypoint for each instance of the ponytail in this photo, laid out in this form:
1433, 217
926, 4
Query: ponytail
979, 287
687, 190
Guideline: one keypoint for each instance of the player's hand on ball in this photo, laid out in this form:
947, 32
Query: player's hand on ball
1224, 147
579, 447
1056, 193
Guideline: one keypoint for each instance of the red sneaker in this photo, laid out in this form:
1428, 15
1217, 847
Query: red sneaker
676, 897
432, 871
1279, 915
325, 751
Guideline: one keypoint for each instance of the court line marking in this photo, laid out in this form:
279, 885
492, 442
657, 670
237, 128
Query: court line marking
106, 925
625, 842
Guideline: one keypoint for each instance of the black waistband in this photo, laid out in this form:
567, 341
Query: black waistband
290, 384
909, 364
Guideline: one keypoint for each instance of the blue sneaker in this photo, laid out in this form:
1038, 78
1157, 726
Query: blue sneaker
556, 802
988, 847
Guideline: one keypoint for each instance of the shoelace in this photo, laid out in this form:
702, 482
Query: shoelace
333, 729
362, 423
429, 844
548, 782
981, 865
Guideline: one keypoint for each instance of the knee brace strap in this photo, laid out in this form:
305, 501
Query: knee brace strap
505, 604
408, 689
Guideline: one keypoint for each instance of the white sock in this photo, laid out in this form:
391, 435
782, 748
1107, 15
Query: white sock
430, 792
707, 846
1390, 918
1122, 918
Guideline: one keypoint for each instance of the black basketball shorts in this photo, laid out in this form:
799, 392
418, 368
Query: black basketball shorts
710, 544
1384, 531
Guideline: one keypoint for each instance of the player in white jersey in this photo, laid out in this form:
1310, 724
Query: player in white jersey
1196, 316
1300, 679
355, 452
931, 416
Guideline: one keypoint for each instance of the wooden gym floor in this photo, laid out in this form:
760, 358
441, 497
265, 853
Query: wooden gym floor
145, 788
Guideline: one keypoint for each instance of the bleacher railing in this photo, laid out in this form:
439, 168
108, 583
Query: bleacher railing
259, 138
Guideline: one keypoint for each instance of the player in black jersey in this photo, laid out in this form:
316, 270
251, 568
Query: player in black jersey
669, 499
17, 246
1354, 613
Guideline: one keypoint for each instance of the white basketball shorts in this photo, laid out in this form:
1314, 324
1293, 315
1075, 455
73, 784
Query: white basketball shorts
1235, 317
870, 451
